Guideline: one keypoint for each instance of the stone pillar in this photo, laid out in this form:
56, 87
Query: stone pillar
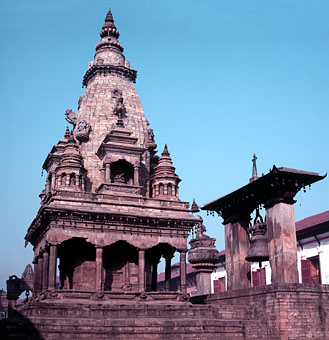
203, 279
237, 247
168, 274
40, 274
48, 184
52, 267
141, 270
154, 282
45, 271
107, 173
136, 175
99, 268
53, 180
282, 243
35, 276
127, 274
183, 272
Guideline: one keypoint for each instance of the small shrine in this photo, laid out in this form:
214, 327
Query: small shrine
245, 242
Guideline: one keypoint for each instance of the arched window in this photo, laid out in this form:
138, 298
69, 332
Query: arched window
161, 189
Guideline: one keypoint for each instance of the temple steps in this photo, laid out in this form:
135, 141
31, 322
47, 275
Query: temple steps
141, 321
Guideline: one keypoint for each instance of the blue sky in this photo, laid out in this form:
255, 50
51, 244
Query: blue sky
218, 80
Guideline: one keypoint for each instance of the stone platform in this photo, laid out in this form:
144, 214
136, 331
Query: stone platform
149, 320
276, 312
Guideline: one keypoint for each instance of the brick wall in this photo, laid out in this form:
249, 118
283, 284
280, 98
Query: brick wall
281, 311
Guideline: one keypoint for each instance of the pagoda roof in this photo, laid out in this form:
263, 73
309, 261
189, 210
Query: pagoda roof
279, 183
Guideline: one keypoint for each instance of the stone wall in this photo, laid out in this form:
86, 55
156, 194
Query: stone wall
281, 311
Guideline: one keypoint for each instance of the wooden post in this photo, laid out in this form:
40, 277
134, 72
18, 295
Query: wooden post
282, 242
237, 248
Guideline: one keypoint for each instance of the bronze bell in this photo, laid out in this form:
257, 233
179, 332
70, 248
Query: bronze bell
258, 251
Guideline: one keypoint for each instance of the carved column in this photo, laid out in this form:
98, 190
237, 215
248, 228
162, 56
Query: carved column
127, 274
77, 181
136, 175
99, 268
183, 272
52, 267
40, 273
141, 270
282, 243
168, 273
45, 270
48, 184
154, 284
35, 276
53, 180
237, 248
107, 173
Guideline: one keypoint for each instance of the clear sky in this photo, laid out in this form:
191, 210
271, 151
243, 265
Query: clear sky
218, 80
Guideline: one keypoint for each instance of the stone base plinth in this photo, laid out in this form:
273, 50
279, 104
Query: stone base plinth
50, 320
276, 312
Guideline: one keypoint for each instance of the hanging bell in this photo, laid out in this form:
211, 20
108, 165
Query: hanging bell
258, 251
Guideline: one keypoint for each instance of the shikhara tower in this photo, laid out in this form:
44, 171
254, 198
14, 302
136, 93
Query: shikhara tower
110, 209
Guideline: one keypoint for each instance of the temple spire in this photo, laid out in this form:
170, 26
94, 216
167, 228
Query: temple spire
109, 28
165, 151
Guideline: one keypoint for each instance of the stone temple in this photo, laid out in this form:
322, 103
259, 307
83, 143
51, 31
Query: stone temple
111, 210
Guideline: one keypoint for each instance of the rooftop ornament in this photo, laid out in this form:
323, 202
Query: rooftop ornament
194, 207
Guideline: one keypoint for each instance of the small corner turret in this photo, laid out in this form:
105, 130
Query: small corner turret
64, 166
165, 180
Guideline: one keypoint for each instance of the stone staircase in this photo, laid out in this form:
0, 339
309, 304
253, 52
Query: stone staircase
48, 320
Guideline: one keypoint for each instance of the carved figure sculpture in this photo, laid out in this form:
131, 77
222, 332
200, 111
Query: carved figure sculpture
150, 135
127, 64
119, 109
71, 117
82, 131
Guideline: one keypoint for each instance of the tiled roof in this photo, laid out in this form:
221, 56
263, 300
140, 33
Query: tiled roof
312, 221
175, 271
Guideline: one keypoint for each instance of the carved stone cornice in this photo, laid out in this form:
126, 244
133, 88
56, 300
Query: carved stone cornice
109, 69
